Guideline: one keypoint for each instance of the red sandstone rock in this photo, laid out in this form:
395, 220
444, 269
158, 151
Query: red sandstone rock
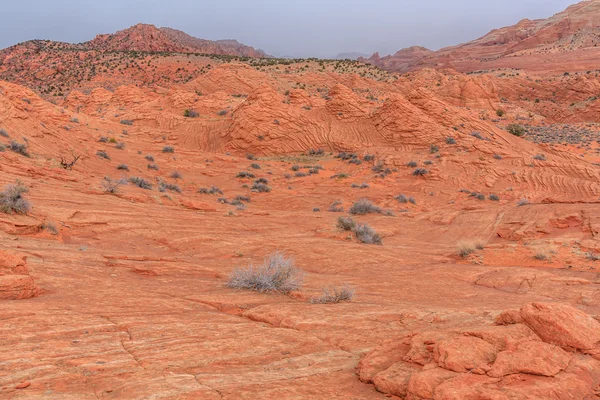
535, 358
562, 325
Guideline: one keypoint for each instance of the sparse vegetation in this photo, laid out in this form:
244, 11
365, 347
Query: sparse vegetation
103, 154
111, 186
191, 114
176, 175
515, 129
260, 187
245, 175
153, 167
539, 157
19, 148
12, 200
254, 166
168, 149
363, 207
450, 140
211, 190
123, 167
336, 206
412, 164
420, 172
365, 234
3, 133
126, 122
149, 158
277, 274
140, 182
346, 223
334, 295
164, 186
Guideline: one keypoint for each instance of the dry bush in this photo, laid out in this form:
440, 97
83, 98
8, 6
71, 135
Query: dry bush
367, 235
12, 200
334, 295
364, 206
468, 247
277, 274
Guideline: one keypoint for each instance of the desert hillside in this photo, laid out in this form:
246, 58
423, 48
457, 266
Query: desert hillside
182, 225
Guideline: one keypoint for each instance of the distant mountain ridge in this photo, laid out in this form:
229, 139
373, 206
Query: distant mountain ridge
554, 43
144, 37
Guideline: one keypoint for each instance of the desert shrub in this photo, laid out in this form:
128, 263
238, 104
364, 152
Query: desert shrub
341, 175
500, 113
515, 129
295, 168
120, 146
334, 295
497, 157
344, 156
140, 182
262, 180
123, 167
450, 140
336, 206
300, 174
126, 122
176, 175
478, 196
365, 234
164, 186
19, 148
153, 167
592, 256
50, 227
254, 166
245, 174
149, 158
477, 135
433, 149
102, 154
420, 172
542, 256
412, 164
3, 133
242, 198
523, 202
103, 139
316, 152
111, 186
168, 149
211, 190
12, 200
223, 200
402, 199
313, 171
427, 162
75, 120
277, 274
190, 114
222, 113
363, 207
346, 223
540, 157
369, 157
316, 209
465, 248
361, 186
261, 187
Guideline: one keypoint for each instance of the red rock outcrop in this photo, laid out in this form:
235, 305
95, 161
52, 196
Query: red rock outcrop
15, 282
494, 362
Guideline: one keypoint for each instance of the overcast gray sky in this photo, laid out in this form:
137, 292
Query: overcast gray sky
320, 28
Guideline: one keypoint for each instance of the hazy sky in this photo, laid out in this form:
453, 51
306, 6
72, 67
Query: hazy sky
321, 28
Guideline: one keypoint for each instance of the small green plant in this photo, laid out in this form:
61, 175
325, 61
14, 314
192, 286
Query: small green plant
515, 129
500, 113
